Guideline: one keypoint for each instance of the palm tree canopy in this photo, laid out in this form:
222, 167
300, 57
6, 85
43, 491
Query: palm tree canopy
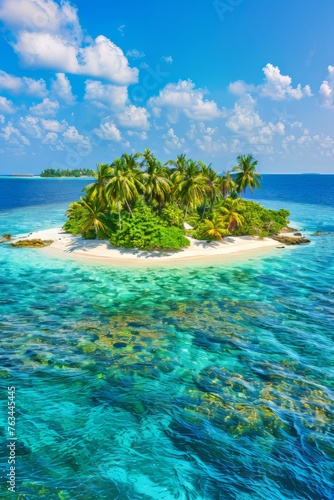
190, 184
95, 217
215, 228
246, 175
231, 213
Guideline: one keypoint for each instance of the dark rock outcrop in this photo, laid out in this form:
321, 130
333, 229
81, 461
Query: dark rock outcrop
291, 240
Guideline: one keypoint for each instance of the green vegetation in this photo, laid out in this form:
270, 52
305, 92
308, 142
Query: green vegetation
137, 202
52, 172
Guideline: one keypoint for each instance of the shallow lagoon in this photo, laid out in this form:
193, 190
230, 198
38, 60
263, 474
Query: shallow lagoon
194, 383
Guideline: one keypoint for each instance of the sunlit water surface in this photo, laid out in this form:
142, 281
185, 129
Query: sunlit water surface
194, 383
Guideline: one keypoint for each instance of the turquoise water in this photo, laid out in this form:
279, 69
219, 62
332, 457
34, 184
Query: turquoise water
195, 383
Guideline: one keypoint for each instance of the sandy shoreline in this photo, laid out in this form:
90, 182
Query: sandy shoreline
66, 245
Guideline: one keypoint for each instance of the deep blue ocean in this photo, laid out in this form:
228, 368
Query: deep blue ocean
211, 382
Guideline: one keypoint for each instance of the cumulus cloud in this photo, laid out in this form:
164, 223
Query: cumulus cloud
72, 136
13, 136
172, 140
23, 85
106, 95
266, 134
327, 90
45, 108
184, 98
53, 125
48, 35
244, 118
61, 86
140, 135
134, 117
108, 131
51, 138
2, 119
30, 125
276, 86
6, 106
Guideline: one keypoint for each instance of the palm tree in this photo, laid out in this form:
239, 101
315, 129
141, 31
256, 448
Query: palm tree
189, 185
125, 184
212, 185
157, 184
215, 228
246, 174
94, 217
97, 188
227, 184
180, 163
230, 213
130, 161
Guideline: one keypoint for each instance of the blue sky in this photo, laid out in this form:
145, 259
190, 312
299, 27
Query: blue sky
82, 82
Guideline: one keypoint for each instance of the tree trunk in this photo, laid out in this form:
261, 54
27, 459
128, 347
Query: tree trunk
127, 204
119, 215
204, 209
185, 215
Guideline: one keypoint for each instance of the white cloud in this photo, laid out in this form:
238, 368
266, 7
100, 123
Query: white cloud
287, 140
42, 15
6, 105
209, 145
324, 141
134, 117
45, 108
14, 136
54, 125
266, 134
240, 88
167, 59
140, 135
71, 135
172, 140
113, 96
244, 118
183, 97
61, 86
108, 131
24, 85
51, 138
2, 119
135, 54
305, 140
327, 90
48, 35
30, 125
276, 86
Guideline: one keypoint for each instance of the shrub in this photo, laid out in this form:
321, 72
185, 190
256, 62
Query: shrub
75, 215
172, 215
146, 231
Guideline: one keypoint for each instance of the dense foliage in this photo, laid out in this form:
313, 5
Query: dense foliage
137, 202
52, 172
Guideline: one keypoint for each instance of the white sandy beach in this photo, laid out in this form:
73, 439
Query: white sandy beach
67, 245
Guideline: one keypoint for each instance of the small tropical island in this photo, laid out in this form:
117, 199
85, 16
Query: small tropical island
52, 172
139, 207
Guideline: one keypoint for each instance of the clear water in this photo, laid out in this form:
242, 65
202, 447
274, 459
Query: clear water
195, 383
